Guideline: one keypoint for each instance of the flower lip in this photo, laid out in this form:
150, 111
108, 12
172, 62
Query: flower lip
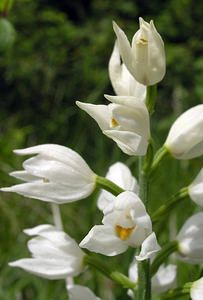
124, 233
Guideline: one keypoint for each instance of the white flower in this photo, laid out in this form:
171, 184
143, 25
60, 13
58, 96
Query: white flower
124, 84
79, 292
195, 190
162, 281
56, 174
55, 255
196, 291
126, 121
145, 60
121, 175
190, 240
185, 138
126, 223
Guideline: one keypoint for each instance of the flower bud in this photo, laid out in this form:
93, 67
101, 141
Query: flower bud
56, 174
145, 59
196, 290
195, 190
190, 242
55, 254
185, 138
124, 84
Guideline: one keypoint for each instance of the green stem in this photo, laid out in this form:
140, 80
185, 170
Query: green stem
108, 185
160, 154
144, 281
168, 249
178, 292
171, 204
115, 276
150, 99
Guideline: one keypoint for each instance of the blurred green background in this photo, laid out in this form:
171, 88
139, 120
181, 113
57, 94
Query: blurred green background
60, 54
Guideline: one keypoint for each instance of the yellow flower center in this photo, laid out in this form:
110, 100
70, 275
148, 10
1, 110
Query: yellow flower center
142, 41
114, 123
123, 233
45, 180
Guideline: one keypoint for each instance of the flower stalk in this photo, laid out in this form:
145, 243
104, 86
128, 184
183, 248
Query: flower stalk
170, 205
178, 292
113, 275
160, 154
108, 185
150, 99
144, 281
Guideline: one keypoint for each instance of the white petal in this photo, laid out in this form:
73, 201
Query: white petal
52, 192
196, 291
102, 239
120, 174
99, 113
24, 175
119, 83
58, 172
130, 201
129, 142
39, 229
129, 101
122, 81
78, 292
45, 268
58, 153
124, 47
149, 248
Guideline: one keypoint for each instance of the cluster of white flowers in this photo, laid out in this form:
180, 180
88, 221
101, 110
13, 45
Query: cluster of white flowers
59, 175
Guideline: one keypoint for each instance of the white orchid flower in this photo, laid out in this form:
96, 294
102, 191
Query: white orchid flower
190, 240
121, 175
162, 281
195, 190
125, 120
55, 255
185, 138
124, 84
56, 174
145, 59
79, 292
196, 291
126, 223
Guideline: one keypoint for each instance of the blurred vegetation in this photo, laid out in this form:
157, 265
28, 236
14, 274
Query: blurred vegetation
58, 53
